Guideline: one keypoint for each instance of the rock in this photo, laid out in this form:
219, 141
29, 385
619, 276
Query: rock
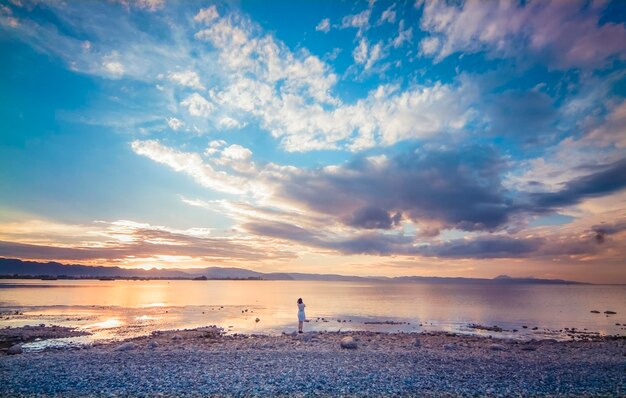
610, 312
152, 344
257, 320
417, 343
529, 348
15, 349
594, 311
497, 347
177, 337
449, 346
348, 342
128, 346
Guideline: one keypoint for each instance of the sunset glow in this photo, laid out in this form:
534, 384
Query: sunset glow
360, 138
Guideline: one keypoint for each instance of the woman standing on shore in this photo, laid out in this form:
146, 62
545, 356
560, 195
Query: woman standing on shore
301, 316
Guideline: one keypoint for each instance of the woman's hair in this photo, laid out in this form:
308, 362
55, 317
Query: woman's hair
299, 301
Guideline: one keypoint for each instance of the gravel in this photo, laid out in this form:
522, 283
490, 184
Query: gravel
210, 364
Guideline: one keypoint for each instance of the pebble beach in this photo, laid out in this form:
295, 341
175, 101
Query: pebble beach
207, 362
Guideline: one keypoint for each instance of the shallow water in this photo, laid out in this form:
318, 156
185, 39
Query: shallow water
120, 309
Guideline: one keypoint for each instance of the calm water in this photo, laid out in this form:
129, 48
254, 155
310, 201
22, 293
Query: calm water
118, 309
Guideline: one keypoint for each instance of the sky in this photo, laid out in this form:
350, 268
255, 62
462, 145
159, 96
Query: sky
435, 138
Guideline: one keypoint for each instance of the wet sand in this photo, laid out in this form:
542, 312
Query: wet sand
205, 362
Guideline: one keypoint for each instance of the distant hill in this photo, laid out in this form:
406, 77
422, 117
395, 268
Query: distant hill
19, 268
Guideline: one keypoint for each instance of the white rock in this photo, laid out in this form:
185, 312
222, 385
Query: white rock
15, 349
348, 342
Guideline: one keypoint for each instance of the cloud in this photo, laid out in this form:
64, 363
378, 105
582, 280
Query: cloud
359, 21
613, 131
602, 230
207, 15
175, 124
526, 116
404, 35
367, 55
187, 78
197, 105
608, 179
567, 34
422, 186
192, 165
126, 240
389, 15
484, 247
323, 26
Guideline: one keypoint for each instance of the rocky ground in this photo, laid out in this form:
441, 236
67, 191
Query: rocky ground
205, 362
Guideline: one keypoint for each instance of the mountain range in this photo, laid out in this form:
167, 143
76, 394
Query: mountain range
19, 268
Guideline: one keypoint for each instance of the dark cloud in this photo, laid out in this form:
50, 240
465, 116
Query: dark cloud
524, 116
458, 188
484, 247
602, 230
608, 180
372, 217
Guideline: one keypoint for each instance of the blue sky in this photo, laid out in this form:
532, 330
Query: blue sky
373, 138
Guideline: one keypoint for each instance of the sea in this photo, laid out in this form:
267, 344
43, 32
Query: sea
119, 309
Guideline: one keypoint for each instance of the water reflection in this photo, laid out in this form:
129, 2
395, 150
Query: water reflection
115, 309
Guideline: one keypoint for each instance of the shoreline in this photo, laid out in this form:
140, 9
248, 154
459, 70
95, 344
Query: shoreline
207, 362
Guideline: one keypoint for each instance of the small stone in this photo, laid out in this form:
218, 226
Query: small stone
15, 349
449, 346
595, 311
348, 342
417, 343
257, 320
152, 344
497, 347
128, 346
177, 337
610, 312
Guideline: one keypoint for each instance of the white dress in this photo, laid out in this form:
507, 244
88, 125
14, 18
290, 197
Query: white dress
301, 316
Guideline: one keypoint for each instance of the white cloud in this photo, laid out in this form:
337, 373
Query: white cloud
429, 45
359, 21
187, 78
323, 26
114, 68
197, 105
566, 34
192, 165
175, 124
404, 35
367, 55
227, 122
389, 15
207, 15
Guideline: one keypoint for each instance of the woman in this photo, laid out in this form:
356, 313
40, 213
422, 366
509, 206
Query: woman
301, 316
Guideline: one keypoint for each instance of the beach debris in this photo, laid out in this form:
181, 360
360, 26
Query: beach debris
128, 346
610, 312
349, 343
15, 350
594, 311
